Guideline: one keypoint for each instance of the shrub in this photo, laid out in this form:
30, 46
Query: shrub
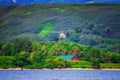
95, 63
22, 59
7, 61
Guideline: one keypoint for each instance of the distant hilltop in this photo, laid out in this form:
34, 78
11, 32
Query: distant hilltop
28, 2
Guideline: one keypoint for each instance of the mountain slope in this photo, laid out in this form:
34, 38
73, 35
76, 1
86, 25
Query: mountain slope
95, 25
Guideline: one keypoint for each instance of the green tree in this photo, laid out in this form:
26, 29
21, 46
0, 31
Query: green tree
76, 50
86, 56
39, 57
7, 49
54, 50
55, 62
61, 50
22, 59
7, 61
94, 53
1, 44
115, 58
95, 63
22, 45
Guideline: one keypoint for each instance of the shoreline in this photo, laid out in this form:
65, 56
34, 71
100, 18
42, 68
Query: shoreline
59, 69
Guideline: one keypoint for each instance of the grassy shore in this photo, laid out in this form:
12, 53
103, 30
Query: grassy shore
59, 69
73, 65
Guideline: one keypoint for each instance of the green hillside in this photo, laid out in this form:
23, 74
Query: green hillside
95, 25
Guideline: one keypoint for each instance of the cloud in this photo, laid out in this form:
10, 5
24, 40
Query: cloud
14, 1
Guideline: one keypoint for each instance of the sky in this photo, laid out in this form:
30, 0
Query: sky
27, 2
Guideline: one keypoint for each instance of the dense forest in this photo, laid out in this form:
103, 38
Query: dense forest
33, 54
95, 25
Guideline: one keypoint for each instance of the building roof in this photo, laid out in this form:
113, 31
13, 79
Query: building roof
66, 57
62, 35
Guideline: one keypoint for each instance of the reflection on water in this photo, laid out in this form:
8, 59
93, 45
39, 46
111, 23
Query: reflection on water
60, 75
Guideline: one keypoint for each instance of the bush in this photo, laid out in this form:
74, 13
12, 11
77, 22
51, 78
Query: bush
55, 62
110, 65
7, 50
22, 59
95, 63
7, 61
115, 58
22, 45
39, 57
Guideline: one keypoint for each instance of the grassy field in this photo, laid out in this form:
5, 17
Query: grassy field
85, 64
46, 29
110, 65
80, 64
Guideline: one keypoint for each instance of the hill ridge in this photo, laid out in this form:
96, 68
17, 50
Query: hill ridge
95, 25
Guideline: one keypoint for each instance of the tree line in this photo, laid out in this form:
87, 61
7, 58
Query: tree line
34, 54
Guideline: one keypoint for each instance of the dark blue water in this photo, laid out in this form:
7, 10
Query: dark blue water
60, 75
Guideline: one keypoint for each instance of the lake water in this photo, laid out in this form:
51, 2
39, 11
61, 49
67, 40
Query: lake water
59, 74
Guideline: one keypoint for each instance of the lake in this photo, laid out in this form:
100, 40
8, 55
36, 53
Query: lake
59, 74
